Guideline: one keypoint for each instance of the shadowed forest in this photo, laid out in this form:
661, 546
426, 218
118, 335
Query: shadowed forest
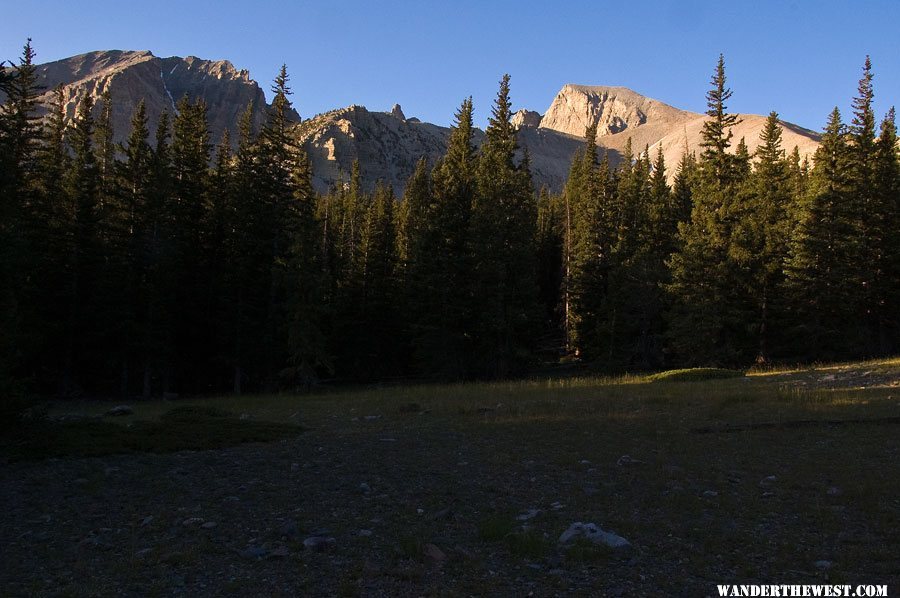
167, 265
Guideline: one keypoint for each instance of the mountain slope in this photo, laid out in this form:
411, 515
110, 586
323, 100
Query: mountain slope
131, 76
621, 113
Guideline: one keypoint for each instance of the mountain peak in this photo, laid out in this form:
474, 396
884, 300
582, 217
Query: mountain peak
613, 109
134, 75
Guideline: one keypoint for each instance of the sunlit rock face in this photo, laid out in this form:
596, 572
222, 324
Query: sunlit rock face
131, 76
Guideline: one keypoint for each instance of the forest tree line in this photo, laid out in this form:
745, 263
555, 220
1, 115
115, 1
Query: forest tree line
165, 264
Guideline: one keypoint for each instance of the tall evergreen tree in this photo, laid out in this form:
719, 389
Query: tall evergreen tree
550, 242
587, 247
440, 262
19, 135
190, 151
821, 269
81, 342
503, 221
129, 282
886, 234
868, 213
161, 264
307, 352
707, 321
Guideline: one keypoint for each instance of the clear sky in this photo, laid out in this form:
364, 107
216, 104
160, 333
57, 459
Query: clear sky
799, 57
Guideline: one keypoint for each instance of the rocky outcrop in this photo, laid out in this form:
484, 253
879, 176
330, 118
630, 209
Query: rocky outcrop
526, 119
388, 147
133, 76
397, 112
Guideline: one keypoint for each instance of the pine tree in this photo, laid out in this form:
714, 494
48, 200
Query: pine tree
19, 135
161, 265
717, 134
590, 214
550, 243
105, 148
440, 208
131, 282
190, 153
46, 225
306, 314
503, 221
707, 321
886, 233
867, 213
80, 341
682, 187
377, 350
821, 269
420, 241
760, 238
631, 314
244, 256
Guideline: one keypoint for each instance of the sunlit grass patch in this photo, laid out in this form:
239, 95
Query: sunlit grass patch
695, 375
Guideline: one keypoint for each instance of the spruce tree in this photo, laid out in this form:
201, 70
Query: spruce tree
440, 209
19, 135
707, 320
81, 339
161, 266
760, 238
886, 233
131, 284
587, 246
242, 279
821, 269
307, 352
502, 233
868, 214
376, 350
550, 243
190, 152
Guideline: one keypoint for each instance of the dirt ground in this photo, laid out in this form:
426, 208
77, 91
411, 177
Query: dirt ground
465, 490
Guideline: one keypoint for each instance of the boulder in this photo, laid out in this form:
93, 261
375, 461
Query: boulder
593, 533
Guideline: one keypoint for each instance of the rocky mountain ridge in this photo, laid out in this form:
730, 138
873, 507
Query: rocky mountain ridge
132, 76
388, 144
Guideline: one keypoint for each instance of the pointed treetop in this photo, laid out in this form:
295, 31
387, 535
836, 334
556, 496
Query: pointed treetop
863, 114
500, 129
770, 150
717, 132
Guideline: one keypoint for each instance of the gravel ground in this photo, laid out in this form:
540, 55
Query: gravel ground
406, 502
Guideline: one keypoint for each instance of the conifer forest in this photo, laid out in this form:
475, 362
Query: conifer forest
172, 264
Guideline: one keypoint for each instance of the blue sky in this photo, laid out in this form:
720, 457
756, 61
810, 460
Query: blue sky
799, 57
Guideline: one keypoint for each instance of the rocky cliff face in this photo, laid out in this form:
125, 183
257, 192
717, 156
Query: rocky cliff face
526, 119
615, 110
388, 145
160, 82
